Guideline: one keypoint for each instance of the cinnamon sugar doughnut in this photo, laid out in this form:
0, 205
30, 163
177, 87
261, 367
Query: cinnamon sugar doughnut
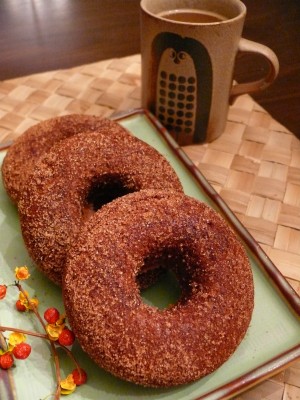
23, 154
77, 176
141, 343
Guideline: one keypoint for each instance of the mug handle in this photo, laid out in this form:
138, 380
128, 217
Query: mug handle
249, 46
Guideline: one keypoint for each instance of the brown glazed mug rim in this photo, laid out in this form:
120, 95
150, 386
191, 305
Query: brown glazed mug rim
240, 12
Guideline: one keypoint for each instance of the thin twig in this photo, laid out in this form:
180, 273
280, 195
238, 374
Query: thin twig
70, 354
53, 349
29, 333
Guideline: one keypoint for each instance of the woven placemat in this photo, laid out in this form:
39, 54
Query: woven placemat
254, 165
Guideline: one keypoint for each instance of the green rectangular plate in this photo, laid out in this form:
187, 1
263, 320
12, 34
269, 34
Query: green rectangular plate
271, 343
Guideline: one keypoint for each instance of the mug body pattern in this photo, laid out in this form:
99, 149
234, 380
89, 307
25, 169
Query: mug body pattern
182, 86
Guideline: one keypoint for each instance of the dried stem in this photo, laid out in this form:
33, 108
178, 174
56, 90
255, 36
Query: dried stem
52, 345
29, 333
70, 354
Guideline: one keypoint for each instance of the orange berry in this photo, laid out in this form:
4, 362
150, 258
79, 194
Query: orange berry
22, 350
6, 361
3, 289
79, 377
51, 315
19, 306
66, 338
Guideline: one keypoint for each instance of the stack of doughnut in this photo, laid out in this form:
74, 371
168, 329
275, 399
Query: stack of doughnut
99, 209
61, 170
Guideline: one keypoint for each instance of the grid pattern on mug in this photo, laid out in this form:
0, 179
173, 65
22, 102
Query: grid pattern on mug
176, 106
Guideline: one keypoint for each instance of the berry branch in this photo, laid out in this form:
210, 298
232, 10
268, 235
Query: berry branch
56, 333
29, 333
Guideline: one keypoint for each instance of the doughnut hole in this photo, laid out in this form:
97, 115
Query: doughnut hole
173, 280
104, 191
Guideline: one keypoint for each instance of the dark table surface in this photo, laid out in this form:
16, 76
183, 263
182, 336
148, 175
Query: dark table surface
39, 35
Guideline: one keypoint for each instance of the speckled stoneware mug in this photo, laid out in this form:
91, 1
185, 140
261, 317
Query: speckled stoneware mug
189, 49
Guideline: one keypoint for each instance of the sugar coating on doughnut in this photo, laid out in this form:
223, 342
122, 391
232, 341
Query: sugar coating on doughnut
141, 343
38, 139
55, 203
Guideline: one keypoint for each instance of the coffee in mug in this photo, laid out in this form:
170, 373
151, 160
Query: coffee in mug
192, 16
189, 50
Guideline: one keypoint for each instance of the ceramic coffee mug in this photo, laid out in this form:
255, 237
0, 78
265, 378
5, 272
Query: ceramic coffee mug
189, 49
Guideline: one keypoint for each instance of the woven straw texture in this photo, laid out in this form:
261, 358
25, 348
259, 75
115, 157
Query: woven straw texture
254, 165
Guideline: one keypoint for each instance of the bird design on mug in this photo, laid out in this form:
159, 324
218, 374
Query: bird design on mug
182, 85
